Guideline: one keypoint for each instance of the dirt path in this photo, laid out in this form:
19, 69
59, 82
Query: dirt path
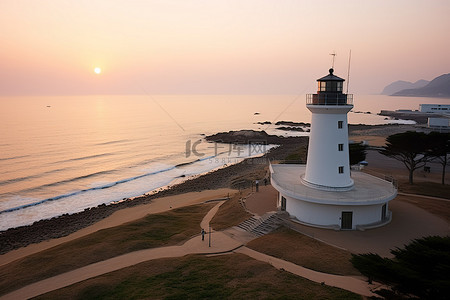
352, 284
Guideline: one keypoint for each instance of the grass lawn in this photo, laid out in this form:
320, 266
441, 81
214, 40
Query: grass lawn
426, 188
231, 213
156, 230
233, 276
302, 250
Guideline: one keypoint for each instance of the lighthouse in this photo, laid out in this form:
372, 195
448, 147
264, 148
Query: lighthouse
328, 163
324, 193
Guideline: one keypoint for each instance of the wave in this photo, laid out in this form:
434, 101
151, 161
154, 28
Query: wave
192, 162
56, 183
104, 186
165, 158
84, 158
111, 142
14, 157
24, 178
107, 185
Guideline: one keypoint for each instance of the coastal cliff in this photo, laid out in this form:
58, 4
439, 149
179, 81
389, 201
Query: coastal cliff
438, 87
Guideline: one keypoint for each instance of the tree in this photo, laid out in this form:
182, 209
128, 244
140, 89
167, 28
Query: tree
357, 152
439, 148
420, 269
410, 148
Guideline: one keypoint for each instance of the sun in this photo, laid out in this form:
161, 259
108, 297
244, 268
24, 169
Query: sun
97, 70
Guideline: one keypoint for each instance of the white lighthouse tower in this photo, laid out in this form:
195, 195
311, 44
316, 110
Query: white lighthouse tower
323, 193
328, 164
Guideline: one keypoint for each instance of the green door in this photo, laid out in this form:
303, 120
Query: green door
346, 220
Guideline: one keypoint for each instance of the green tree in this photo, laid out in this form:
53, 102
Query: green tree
357, 152
439, 148
410, 148
422, 268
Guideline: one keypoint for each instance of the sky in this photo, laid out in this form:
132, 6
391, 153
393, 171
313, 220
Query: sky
217, 46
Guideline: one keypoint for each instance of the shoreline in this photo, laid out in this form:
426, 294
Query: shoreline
66, 224
231, 176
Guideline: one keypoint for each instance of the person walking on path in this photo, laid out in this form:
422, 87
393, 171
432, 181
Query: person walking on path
257, 185
265, 181
203, 234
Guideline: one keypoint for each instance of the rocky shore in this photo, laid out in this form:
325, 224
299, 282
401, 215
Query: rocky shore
251, 137
235, 176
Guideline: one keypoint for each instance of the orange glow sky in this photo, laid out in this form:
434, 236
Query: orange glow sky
217, 46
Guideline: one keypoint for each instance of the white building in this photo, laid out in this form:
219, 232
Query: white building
324, 193
439, 123
435, 108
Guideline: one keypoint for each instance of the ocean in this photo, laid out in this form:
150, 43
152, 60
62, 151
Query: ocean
63, 154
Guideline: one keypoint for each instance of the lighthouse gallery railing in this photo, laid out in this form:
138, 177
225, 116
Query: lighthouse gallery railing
329, 99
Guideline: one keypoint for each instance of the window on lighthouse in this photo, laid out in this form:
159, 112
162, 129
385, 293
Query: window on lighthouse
322, 86
340, 147
340, 124
341, 170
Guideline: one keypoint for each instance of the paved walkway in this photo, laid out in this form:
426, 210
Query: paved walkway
220, 243
409, 222
263, 201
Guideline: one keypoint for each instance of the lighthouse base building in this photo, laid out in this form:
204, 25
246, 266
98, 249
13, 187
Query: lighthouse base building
325, 192
364, 206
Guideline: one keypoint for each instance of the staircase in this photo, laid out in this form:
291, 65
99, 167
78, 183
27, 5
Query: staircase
260, 226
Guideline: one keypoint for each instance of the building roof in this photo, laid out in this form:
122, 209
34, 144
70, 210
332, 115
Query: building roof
331, 77
367, 189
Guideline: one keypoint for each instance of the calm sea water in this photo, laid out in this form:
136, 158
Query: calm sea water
64, 154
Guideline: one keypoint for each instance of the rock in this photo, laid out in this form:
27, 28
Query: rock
250, 136
291, 128
290, 123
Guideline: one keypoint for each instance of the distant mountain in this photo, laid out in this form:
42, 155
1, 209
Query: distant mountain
397, 86
438, 87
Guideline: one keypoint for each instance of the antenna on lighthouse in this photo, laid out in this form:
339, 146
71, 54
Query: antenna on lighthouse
348, 71
334, 55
